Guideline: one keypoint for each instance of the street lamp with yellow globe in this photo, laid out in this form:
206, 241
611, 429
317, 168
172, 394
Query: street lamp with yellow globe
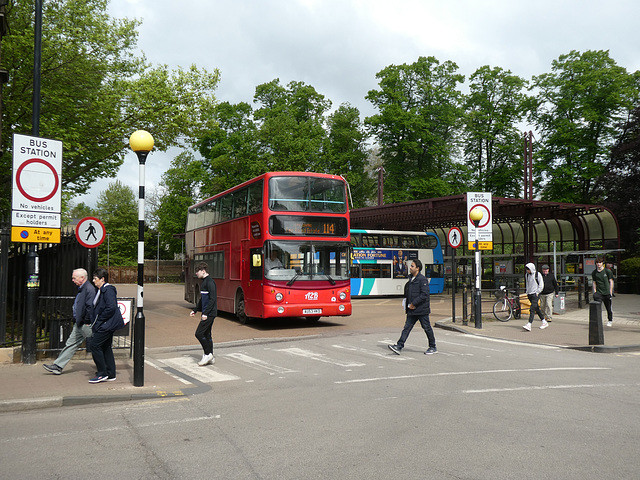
141, 143
475, 215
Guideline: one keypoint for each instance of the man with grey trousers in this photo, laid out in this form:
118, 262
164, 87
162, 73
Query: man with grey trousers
82, 318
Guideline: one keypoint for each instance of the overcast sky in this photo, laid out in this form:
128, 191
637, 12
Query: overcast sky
338, 46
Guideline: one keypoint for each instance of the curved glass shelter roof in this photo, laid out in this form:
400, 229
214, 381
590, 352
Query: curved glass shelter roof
527, 227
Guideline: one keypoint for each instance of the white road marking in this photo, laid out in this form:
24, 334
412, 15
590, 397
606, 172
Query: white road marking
550, 387
109, 429
388, 355
157, 367
190, 367
467, 345
257, 363
478, 372
320, 357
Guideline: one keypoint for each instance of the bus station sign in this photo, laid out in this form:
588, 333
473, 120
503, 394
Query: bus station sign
482, 201
37, 191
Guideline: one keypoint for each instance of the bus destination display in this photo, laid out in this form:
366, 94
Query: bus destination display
307, 225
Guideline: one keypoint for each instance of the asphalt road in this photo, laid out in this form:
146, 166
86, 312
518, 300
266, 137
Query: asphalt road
341, 405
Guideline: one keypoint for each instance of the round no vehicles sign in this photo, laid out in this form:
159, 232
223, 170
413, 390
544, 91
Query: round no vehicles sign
90, 232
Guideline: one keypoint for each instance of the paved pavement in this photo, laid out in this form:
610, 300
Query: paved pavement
169, 328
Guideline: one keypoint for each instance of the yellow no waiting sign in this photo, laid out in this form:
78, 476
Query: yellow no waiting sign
35, 235
481, 245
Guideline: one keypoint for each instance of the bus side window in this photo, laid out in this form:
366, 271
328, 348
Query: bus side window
225, 208
355, 270
369, 241
408, 242
432, 242
240, 203
255, 198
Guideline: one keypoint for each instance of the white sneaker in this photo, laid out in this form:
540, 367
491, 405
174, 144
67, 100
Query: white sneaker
609, 324
206, 360
527, 327
544, 325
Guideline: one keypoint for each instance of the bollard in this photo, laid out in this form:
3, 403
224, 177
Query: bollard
596, 335
464, 305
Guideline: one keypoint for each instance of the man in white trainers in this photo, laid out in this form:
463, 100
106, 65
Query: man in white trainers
208, 305
534, 284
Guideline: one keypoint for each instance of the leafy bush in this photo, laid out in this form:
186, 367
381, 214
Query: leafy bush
630, 266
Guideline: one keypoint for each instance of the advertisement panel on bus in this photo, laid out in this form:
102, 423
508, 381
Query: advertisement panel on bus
381, 259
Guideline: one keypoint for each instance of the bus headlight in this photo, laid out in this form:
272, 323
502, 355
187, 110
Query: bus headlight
343, 296
341, 307
279, 297
280, 309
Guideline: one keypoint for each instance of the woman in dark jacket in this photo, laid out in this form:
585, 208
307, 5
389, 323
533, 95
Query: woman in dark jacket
417, 307
108, 319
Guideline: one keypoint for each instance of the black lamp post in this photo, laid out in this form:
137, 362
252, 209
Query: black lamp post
141, 142
476, 215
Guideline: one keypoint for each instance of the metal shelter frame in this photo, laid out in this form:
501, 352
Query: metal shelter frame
529, 227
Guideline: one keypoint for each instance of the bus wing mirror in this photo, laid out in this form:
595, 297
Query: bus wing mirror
257, 260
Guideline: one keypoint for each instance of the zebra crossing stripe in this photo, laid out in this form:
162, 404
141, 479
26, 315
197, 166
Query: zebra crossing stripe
257, 363
190, 367
386, 356
320, 357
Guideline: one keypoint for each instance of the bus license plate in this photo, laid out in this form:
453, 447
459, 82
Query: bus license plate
311, 311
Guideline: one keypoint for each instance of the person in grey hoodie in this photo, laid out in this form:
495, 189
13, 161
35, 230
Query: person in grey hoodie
533, 284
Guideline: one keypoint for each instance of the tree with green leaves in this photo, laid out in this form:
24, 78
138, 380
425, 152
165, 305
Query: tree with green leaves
76, 212
291, 126
492, 143
619, 186
345, 153
290, 130
95, 91
231, 148
117, 209
577, 112
418, 124
180, 187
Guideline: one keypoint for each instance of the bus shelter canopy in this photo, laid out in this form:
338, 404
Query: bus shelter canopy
527, 227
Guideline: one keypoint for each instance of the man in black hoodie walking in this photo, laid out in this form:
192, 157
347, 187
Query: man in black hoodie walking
417, 307
208, 306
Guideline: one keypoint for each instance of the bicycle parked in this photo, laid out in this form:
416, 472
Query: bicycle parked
506, 307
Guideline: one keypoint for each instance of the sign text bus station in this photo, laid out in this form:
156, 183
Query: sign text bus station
36, 195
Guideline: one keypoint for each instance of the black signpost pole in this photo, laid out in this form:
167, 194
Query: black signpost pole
453, 285
33, 281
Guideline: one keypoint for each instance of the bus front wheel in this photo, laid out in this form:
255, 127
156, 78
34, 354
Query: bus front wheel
240, 309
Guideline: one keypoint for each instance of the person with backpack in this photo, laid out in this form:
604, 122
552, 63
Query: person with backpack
533, 284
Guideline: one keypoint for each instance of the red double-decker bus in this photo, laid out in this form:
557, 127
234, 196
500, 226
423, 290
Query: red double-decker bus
276, 246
